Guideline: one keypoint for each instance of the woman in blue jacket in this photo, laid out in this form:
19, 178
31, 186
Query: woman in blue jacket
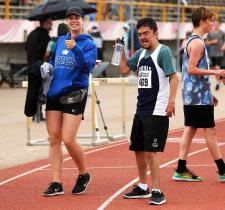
74, 58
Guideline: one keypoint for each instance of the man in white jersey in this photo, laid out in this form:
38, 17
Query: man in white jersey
157, 87
197, 97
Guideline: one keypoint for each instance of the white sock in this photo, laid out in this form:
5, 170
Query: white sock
156, 190
143, 186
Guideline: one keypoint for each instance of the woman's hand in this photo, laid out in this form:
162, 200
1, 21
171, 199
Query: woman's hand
70, 44
215, 101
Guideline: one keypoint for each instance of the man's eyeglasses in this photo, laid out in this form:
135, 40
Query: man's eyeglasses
146, 33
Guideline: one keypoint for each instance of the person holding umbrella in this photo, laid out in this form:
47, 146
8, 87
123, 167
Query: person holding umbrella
35, 47
74, 58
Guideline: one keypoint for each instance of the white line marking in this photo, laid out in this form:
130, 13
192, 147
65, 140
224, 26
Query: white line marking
220, 120
101, 167
171, 166
122, 167
112, 197
179, 138
181, 129
194, 142
69, 158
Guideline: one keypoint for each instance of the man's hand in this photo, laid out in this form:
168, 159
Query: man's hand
170, 109
70, 44
220, 73
223, 80
215, 101
214, 41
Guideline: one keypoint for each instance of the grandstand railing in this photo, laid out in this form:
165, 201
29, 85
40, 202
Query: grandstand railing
165, 12
16, 9
119, 10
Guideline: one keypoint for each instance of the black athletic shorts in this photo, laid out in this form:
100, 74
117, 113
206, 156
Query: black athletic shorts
75, 109
199, 116
149, 133
216, 61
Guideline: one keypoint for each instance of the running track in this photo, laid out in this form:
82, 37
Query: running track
113, 171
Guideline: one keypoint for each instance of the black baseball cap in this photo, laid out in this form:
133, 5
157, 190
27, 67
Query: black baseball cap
75, 11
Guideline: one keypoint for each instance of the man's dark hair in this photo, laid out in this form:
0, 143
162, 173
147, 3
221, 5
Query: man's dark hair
147, 22
63, 29
42, 20
201, 14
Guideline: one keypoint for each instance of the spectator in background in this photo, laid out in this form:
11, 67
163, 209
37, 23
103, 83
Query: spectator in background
183, 44
114, 10
36, 45
98, 40
185, 41
25, 2
223, 59
95, 33
62, 30
215, 41
37, 41
125, 38
105, 10
133, 41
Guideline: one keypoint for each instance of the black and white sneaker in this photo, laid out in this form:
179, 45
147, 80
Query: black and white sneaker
54, 188
137, 192
157, 198
81, 184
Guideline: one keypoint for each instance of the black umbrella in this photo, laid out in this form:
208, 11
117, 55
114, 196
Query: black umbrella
56, 9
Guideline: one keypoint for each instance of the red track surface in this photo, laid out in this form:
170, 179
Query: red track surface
113, 170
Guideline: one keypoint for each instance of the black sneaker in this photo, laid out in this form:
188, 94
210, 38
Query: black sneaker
137, 192
157, 198
81, 184
54, 188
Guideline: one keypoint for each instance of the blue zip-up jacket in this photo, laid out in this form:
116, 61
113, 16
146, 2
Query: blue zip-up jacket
72, 67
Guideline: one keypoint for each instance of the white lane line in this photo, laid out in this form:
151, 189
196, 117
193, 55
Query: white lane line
220, 120
112, 197
195, 140
69, 158
181, 129
171, 166
179, 138
99, 167
123, 167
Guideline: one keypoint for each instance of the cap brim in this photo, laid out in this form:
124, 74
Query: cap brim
75, 13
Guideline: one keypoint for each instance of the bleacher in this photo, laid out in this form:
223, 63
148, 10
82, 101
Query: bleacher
166, 10
18, 9
208, 2
161, 10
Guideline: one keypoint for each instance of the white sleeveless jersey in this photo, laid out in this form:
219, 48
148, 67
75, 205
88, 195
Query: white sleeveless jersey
153, 85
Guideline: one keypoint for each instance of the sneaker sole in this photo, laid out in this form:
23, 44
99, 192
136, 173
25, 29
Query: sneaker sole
136, 197
84, 190
155, 203
53, 194
186, 179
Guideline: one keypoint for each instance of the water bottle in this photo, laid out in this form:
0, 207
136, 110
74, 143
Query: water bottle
118, 51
